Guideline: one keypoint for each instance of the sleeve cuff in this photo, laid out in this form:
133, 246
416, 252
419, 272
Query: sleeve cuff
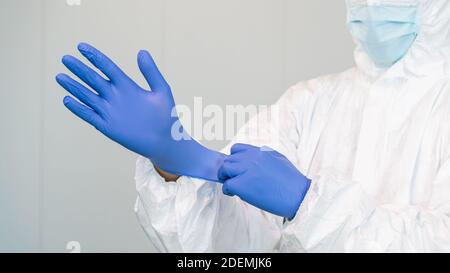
148, 178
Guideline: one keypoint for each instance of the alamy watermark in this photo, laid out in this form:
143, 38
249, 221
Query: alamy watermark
73, 2
222, 123
73, 247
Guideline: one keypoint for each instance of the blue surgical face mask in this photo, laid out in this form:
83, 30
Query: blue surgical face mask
385, 32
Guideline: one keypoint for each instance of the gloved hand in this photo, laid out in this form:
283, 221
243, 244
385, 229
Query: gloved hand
265, 179
142, 121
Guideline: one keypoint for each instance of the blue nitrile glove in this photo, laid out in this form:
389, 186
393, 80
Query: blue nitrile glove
138, 119
265, 179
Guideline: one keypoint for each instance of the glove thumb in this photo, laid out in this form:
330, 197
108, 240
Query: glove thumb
151, 72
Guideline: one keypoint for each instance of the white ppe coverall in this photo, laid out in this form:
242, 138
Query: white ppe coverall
375, 144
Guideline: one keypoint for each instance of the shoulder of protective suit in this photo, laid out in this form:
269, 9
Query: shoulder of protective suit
442, 84
320, 87
445, 83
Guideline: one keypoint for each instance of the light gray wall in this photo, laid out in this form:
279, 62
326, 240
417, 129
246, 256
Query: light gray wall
60, 180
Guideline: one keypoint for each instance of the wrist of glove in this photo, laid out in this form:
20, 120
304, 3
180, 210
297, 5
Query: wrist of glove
192, 159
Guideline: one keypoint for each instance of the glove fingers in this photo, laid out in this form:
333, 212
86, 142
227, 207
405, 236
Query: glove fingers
229, 187
235, 158
240, 147
229, 170
86, 74
102, 62
80, 92
151, 72
83, 112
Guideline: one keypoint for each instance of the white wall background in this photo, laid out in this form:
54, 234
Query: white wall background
60, 180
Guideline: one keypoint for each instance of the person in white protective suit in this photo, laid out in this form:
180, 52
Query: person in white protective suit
373, 140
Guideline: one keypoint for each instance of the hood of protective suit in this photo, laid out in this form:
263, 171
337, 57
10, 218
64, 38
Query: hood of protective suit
430, 52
